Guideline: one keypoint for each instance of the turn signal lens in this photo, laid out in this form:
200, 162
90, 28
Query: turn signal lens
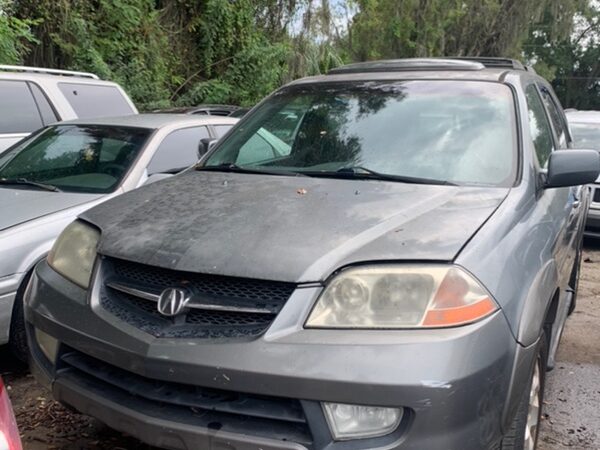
458, 301
422, 296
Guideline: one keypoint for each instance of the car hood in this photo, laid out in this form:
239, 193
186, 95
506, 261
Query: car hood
21, 205
297, 229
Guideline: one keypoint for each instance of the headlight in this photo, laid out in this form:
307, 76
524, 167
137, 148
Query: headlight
74, 253
423, 296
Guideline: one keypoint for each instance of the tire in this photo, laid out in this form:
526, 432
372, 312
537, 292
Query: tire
574, 282
516, 436
17, 341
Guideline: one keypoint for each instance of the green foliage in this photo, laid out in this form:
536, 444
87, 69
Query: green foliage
418, 28
14, 35
185, 52
570, 57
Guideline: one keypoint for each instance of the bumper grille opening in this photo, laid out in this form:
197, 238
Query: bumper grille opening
248, 307
263, 416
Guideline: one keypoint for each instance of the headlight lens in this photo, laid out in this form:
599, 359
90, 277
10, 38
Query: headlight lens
421, 296
74, 253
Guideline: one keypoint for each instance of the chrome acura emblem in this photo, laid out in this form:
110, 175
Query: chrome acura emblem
173, 301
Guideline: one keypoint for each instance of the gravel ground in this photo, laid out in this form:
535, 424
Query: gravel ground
572, 414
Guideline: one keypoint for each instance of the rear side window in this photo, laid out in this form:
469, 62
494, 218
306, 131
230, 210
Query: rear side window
539, 126
91, 100
178, 150
19, 113
222, 129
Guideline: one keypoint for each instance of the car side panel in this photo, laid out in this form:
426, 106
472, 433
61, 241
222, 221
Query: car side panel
525, 252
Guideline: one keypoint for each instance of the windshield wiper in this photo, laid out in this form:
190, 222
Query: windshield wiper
26, 182
230, 167
365, 173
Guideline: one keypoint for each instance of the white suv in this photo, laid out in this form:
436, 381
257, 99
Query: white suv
34, 97
585, 129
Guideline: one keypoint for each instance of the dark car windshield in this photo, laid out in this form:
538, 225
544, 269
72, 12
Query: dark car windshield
586, 135
460, 132
74, 158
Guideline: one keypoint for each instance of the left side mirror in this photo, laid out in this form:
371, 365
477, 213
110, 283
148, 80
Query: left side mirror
205, 146
572, 168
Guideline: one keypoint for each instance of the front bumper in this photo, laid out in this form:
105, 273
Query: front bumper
453, 384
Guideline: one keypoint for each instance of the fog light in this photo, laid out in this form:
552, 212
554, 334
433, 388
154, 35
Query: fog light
359, 422
48, 345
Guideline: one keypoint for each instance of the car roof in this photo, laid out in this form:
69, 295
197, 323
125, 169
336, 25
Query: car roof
210, 109
153, 120
49, 78
583, 116
475, 69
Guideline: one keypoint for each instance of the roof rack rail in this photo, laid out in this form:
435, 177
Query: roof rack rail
408, 64
493, 62
68, 73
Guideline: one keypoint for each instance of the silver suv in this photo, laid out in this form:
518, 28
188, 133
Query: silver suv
396, 276
34, 97
585, 126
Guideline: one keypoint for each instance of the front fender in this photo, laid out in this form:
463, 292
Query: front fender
537, 303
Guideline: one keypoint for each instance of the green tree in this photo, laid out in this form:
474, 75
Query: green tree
571, 60
14, 35
418, 28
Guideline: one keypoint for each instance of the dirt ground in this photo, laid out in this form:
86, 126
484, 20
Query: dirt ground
571, 410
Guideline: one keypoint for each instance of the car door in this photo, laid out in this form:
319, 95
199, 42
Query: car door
560, 203
579, 195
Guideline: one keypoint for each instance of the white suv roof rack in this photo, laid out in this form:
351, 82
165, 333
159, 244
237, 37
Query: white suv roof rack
68, 73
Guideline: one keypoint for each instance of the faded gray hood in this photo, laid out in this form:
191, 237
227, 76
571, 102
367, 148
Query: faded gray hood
288, 228
19, 205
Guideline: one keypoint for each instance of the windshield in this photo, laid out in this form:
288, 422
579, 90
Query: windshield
75, 158
586, 135
460, 132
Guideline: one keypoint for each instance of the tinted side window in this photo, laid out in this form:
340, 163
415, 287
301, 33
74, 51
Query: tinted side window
556, 117
19, 113
90, 100
255, 150
178, 150
48, 114
539, 126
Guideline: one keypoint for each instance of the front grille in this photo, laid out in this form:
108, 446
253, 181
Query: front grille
248, 306
213, 285
263, 416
